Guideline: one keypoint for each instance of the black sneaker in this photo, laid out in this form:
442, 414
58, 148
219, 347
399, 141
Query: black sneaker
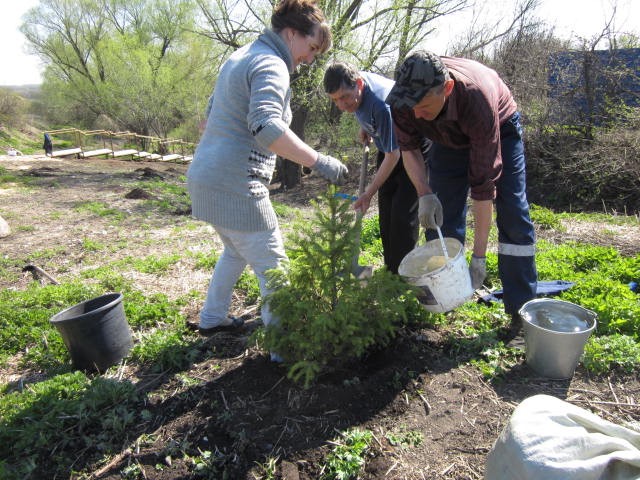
234, 325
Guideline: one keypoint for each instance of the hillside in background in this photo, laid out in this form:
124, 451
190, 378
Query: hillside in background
30, 92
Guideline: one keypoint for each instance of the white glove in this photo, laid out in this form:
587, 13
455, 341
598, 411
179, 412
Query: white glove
331, 168
430, 211
478, 271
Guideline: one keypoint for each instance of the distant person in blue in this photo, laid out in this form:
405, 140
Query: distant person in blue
48, 145
397, 179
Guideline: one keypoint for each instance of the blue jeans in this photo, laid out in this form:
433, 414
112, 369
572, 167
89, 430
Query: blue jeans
448, 177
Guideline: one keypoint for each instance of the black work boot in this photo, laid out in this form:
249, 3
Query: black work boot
514, 337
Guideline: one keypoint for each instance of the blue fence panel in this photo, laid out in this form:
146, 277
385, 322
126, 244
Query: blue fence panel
610, 76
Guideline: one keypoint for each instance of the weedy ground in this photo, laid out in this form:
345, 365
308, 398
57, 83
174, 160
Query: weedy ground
429, 406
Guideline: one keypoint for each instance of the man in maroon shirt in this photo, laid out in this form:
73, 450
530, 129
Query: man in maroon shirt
470, 115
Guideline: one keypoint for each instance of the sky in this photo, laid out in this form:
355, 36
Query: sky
570, 18
17, 67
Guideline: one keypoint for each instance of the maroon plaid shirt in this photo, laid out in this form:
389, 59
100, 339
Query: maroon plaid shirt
471, 118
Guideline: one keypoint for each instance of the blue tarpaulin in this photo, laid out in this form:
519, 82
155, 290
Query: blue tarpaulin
545, 289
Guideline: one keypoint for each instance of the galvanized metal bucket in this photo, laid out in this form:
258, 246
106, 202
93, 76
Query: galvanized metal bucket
555, 333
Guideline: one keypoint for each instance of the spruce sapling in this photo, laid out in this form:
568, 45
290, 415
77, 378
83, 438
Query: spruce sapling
326, 315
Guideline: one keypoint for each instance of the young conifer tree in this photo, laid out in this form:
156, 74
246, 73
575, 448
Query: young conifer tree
325, 314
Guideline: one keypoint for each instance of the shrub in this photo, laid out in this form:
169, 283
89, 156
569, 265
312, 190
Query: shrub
12, 108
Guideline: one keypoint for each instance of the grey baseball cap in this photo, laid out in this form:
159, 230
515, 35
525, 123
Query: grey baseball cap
420, 71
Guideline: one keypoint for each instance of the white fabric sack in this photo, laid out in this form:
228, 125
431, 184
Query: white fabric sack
5, 231
549, 439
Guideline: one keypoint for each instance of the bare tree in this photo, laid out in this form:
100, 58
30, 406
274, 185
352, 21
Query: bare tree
522, 59
483, 33
232, 23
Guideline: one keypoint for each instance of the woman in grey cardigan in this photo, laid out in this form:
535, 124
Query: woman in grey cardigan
247, 126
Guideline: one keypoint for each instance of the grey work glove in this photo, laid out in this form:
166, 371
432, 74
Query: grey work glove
478, 271
430, 211
331, 168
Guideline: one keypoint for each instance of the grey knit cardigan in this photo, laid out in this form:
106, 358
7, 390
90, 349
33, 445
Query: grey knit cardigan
249, 109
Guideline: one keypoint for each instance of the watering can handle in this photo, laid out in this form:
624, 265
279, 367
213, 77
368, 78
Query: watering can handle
422, 240
443, 244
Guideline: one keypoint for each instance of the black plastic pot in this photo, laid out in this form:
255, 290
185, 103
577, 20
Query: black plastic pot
95, 332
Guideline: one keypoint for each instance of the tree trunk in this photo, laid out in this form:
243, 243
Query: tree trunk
589, 89
291, 172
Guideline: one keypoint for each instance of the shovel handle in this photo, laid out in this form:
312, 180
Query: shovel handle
363, 180
363, 170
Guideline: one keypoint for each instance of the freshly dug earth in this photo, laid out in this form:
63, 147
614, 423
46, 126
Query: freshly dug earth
432, 414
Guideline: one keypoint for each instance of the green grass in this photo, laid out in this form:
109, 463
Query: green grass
548, 219
268, 468
25, 314
247, 283
284, 211
602, 279
47, 254
100, 209
165, 350
12, 180
12, 133
6, 177
10, 269
69, 412
153, 264
632, 220
601, 354
90, 245
545, 218
496, 360
205, 261
39, 424
370, 242
168, 197
601, 275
